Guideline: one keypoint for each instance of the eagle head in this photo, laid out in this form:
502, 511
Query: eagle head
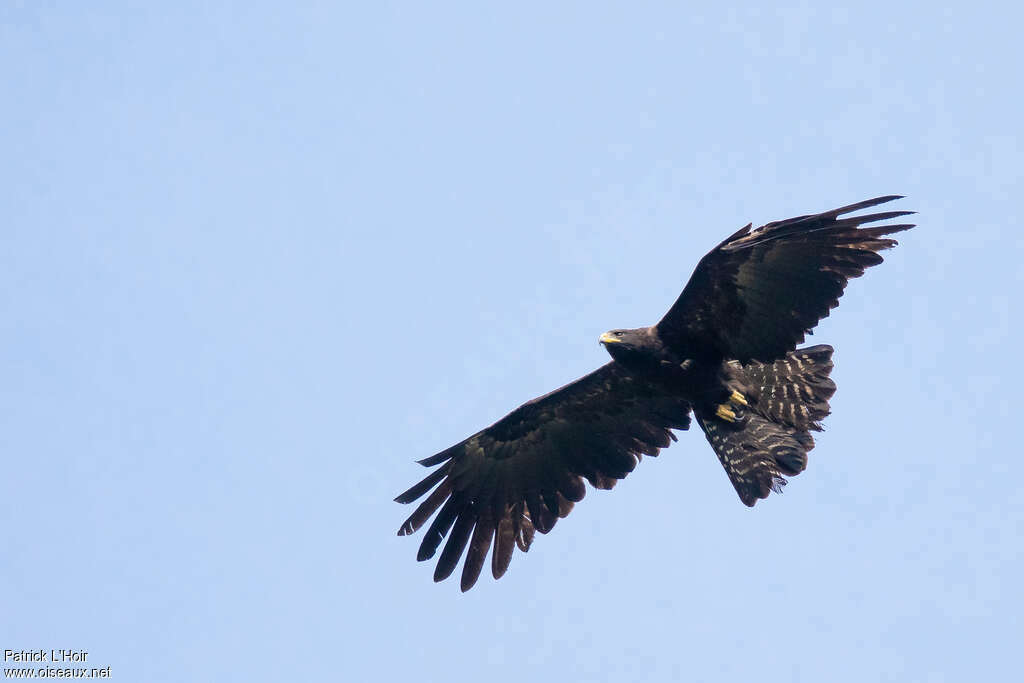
625, 344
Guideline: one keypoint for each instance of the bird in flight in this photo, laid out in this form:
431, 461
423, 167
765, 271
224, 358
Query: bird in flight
725, 352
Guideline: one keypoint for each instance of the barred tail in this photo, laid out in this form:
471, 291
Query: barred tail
793, 390
769, 437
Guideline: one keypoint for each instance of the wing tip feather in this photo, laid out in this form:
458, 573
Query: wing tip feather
874, 201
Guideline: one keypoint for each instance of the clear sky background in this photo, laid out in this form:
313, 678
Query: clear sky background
258, 257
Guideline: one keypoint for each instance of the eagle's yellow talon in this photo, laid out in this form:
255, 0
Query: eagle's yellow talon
737, 398
726, 414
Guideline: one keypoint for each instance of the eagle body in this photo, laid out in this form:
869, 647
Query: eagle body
702, 377
725, 355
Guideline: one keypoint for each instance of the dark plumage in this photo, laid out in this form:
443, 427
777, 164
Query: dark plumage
726, 351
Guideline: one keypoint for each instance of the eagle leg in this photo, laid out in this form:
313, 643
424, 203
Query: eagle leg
736, 398
725, 413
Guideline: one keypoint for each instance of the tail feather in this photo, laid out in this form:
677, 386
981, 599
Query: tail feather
757, 452
793, 390
770, 437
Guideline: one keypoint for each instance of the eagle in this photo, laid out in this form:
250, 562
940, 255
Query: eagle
726, 352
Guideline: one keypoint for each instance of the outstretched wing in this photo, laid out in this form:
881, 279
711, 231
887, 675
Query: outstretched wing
756, 295
526, 471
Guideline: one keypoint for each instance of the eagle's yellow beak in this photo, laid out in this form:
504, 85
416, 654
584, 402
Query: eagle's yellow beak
609, 338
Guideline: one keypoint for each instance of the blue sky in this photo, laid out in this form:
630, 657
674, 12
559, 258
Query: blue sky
260, 257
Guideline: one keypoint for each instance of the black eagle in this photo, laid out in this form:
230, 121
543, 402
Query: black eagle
726, 351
